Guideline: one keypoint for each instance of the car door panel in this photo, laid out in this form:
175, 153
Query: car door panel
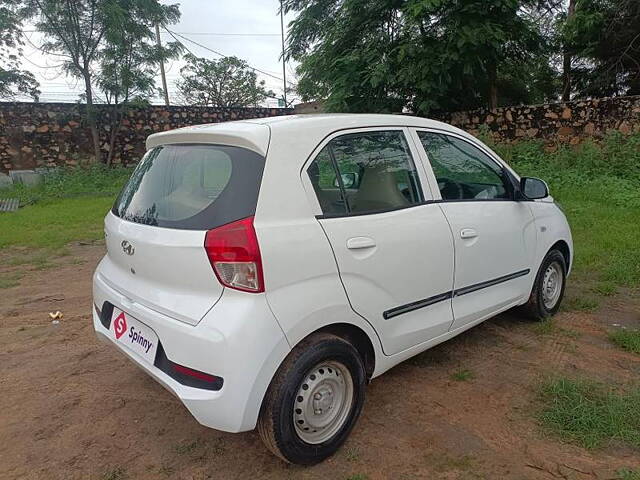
393, 283
393, 250
493, 266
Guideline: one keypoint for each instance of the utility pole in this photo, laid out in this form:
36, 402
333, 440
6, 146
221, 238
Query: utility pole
284, 69
162, 74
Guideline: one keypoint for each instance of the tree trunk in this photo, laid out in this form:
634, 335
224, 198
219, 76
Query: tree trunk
116, 126
566, 61
492, 77
91, 118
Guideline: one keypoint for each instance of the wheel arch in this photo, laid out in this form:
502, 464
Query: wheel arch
563, 247
347, 331
356, 337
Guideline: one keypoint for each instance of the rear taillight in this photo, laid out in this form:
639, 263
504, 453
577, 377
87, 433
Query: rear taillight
234, 254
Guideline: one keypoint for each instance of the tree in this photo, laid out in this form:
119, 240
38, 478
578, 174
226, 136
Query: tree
228, 82
422, 55
604, 37
127, 62
13, 79
73, 30
77, 30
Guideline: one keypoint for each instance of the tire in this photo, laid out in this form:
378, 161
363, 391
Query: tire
541, 303
312, 377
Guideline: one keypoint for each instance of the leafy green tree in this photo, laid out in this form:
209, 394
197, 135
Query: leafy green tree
129, 58
77, 31
13, 79
228, 82
422, 55
604, 38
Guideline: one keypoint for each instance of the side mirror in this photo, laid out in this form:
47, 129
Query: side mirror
533, 188
349, 180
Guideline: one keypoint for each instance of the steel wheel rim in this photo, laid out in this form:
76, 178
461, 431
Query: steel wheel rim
552, 285
323, 402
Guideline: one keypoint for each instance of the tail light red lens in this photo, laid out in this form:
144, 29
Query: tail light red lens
234, 254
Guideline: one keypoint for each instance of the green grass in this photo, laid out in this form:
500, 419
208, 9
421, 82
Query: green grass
92, 180
351, 454
68, 206
11, 280
626, 474
628, 340
358, 476
605, 289
117, 473
187, 447
589, 414
54, 223
598, 187
573, 303
549, 326
462, 375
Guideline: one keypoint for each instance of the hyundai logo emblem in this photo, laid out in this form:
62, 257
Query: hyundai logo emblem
127, 248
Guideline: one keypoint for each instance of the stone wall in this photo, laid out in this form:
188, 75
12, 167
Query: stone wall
36, 135
556, 122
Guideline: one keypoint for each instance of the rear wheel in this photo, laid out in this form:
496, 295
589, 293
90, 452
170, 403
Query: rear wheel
314, 400
548, 289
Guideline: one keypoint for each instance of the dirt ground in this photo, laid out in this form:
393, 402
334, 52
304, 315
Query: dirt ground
73, 408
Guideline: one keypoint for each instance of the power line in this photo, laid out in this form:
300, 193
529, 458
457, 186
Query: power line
219, 53
221, 34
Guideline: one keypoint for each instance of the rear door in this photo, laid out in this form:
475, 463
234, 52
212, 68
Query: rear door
156, 230
494, 235
394, 252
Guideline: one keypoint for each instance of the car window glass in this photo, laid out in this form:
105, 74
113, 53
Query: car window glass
376, 172
323, 178
463, 172
195, 187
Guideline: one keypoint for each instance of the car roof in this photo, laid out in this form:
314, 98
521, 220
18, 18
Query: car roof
255, 134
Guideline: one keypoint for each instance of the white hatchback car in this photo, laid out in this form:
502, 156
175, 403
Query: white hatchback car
265, 270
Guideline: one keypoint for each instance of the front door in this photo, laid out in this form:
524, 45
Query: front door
494, 235
394, 252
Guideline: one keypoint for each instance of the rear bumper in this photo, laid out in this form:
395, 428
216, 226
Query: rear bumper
239, 340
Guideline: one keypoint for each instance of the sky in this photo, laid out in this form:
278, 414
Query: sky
248, 29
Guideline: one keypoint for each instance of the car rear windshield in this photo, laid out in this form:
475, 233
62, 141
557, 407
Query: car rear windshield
192, 187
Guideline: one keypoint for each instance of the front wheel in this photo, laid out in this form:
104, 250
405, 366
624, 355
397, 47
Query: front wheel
314, 400
548, 289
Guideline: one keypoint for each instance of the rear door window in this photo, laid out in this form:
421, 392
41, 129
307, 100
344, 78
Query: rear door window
192, 187
365, 172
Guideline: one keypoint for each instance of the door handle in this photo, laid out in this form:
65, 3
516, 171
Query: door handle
468, 233
356, 243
